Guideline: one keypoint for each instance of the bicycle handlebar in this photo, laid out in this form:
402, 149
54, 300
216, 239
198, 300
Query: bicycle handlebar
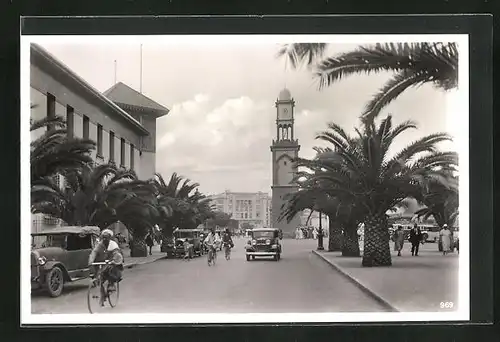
107, 262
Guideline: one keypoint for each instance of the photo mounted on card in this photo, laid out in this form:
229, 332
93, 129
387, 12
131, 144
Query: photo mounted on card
245, 178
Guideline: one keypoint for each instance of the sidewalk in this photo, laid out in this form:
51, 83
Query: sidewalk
132, 262
411, 284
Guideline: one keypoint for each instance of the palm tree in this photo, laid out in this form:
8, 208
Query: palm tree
365, 176
178, 205
54, 152
99, 197
412, 65
440, 202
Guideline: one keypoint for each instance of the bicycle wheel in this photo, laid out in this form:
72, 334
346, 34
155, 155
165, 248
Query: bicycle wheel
94, 296
114, 295
209, 258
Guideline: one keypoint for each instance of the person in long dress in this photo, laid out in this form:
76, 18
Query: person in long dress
445, 236
399, 240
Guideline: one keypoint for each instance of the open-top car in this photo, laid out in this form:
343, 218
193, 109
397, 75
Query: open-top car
60, 255
193, 236
264, 242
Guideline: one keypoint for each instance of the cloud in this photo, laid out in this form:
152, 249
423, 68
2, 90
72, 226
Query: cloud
203, 138
221, 96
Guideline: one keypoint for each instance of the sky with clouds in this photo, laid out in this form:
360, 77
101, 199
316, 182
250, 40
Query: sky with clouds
221, 100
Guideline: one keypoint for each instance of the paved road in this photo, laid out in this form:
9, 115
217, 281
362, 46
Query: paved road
299, 282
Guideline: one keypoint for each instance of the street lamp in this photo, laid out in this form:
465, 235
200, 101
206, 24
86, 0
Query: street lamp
320, 234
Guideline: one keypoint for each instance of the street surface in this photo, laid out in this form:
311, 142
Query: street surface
299, 282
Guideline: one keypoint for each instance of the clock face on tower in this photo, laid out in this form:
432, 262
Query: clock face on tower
285, 113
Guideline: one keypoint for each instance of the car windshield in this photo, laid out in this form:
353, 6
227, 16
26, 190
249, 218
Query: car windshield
264, 234
43, 241
185, 235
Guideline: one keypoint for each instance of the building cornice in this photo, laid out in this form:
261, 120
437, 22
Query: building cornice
43, 59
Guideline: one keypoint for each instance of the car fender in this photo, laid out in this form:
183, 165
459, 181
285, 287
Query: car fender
51, 264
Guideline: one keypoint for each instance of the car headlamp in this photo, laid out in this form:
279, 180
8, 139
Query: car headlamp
254, 242
268, 242
42, 260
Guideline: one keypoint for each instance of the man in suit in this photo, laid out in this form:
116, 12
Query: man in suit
415, 239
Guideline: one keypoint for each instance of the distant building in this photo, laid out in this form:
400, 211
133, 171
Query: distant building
122, 121
245, 207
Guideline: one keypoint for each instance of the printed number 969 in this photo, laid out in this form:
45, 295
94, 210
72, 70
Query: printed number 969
446, 305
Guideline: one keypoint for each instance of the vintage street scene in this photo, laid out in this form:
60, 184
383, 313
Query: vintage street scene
244, 177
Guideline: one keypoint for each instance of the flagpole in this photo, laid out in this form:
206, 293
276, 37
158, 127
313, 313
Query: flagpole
140, 85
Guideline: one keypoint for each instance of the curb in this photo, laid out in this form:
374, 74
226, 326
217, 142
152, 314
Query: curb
358, 283
144, 262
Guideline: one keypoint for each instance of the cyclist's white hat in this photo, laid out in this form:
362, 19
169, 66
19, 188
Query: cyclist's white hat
107, 232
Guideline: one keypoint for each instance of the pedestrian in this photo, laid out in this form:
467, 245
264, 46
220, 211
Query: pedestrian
149, 241
187, 250
415, 239
399, 239
297, 233
445, 238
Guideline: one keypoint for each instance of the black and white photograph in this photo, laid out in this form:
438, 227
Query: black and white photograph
244, 178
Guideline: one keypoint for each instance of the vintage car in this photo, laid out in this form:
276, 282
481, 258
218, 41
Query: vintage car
194, 237
264, 242
60, 255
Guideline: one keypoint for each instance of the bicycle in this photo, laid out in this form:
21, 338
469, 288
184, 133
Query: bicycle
227, 251
102, 286
212, 255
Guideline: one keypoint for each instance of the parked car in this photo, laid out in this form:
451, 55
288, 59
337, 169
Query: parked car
430, 233
193, 236
60, 255
264, 242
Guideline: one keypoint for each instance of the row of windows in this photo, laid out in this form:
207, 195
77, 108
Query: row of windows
70, 123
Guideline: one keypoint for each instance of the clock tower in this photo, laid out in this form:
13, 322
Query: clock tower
284, 149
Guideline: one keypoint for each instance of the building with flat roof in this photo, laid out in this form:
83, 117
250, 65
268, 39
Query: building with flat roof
245, 207
121, 121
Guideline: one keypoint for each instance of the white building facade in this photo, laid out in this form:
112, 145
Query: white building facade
245, 207
121, 138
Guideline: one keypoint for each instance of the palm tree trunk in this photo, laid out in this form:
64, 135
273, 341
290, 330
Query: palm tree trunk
350, 245
138, 248
334, 236
376, 251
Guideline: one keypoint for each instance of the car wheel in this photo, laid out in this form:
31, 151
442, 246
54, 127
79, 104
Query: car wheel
248, 257
253, 257
425, 237
54, 282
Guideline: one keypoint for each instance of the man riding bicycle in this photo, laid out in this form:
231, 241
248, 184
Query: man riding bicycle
110, 250
227, 241
212, 241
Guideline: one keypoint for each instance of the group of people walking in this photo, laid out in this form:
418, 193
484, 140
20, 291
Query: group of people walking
308, 233
416, 238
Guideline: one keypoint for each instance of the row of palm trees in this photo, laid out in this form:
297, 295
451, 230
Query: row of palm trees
354, 180
106, 194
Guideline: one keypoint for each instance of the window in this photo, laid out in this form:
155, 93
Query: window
86, 124
122, 152
99, 140
111, 146
131, 156
70, 121
51, 109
